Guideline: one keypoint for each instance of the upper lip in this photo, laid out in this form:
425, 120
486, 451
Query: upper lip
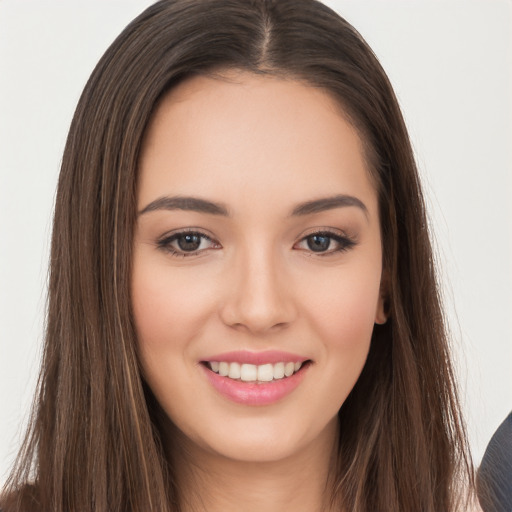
257, 358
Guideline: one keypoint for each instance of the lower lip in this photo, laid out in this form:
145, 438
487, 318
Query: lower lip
254, 393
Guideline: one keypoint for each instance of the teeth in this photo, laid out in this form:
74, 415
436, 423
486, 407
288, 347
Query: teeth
279, 371
223, 369
234, 371
254, 373
265, 372
249, 372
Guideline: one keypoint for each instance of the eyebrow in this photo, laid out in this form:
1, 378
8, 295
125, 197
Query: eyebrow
199, 205
194, 204
329, 203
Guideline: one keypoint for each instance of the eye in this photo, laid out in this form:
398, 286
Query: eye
325, 242
187, 243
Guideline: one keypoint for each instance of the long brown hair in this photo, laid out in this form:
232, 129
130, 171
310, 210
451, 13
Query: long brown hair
94, 443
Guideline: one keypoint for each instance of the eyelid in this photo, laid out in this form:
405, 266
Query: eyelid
324, 229
164, 242
345, 241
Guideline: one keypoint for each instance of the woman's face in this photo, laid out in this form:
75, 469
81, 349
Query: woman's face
257, 248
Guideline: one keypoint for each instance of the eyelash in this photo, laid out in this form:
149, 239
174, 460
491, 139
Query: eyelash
344, 242
165, 243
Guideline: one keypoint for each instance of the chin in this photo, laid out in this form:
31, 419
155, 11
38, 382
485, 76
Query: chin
264, 440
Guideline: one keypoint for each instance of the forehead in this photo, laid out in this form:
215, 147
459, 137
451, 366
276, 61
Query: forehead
243, 135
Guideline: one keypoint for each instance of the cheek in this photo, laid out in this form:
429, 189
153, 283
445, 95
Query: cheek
170, 307
342, 314
344, 309
347, 330
171, 311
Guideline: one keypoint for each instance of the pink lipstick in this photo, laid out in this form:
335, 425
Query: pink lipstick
255, 378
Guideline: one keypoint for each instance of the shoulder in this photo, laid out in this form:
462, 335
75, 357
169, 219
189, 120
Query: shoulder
493, 479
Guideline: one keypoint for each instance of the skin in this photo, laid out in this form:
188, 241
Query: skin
259, 146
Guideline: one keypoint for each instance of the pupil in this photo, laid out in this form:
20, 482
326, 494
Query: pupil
319, 243
189, 242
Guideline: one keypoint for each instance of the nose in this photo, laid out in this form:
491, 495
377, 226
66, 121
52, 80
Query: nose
259, 296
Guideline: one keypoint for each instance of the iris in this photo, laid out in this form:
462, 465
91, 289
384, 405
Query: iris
189, 242
319, 243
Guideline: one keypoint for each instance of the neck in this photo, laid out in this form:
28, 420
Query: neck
213, 483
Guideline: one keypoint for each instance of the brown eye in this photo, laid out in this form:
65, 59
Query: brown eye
318, 243
187, 243
325, 243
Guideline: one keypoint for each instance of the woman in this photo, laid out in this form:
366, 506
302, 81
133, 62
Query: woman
243, 308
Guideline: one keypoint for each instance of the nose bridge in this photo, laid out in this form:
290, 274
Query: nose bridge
258, 298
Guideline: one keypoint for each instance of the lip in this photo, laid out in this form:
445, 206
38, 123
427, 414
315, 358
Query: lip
255, 393
257, 358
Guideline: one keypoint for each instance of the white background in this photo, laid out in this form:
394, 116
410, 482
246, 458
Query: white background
451, 66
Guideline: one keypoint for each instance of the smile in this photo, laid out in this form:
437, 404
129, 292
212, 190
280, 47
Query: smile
255, 378
254, 373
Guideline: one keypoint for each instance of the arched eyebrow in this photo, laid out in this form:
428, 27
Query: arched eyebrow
194, 204
199, 205
329, 203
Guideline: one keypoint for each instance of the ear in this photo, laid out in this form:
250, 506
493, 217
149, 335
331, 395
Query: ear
381, 313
